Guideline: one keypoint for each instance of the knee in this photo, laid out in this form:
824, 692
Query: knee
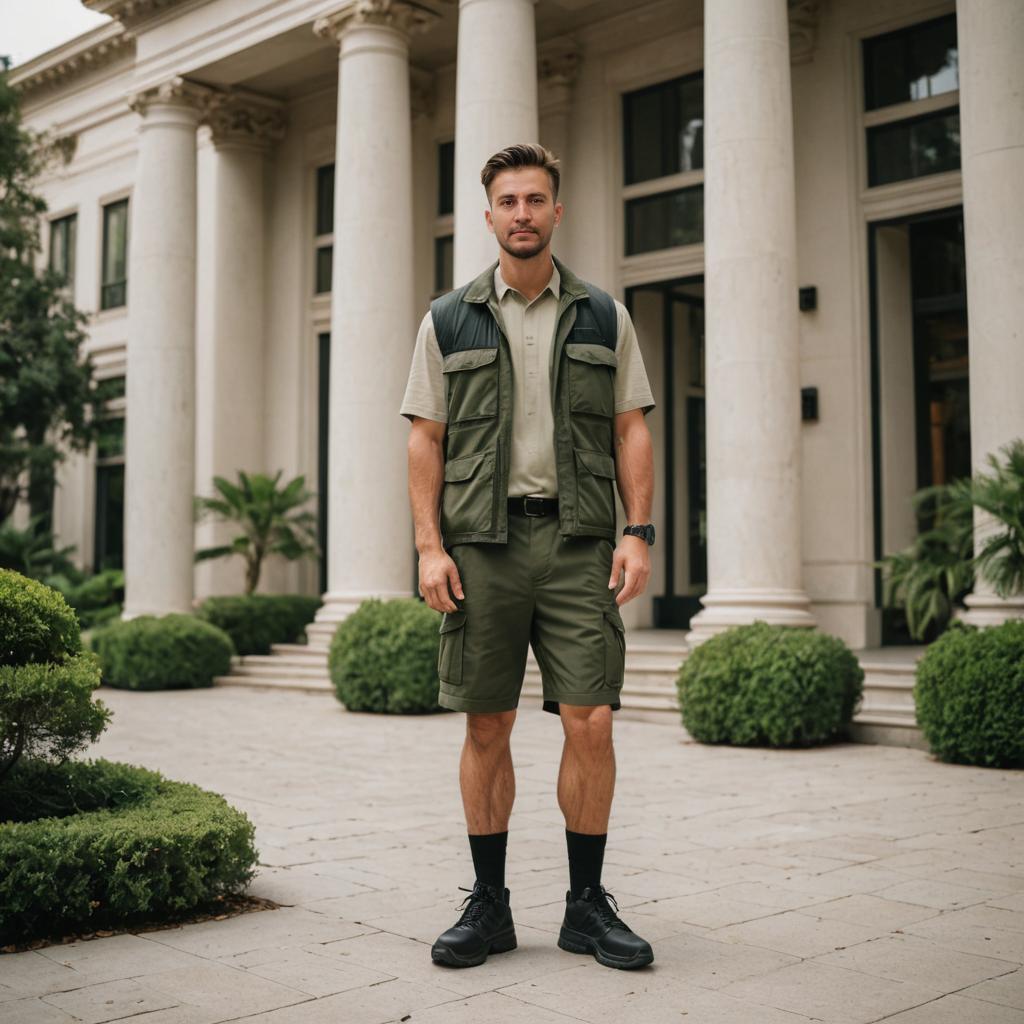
489, 730
589, 728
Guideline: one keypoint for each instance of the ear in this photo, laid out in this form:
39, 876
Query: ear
489, 220
558, 213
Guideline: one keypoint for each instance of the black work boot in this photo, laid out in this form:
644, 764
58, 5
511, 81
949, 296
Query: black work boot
484, 927
591, 926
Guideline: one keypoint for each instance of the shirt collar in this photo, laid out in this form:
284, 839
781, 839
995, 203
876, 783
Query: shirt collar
500, 286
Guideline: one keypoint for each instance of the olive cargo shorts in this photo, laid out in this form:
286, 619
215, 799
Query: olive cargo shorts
539, 589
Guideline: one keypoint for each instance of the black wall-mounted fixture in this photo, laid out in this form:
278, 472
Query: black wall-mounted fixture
809, 404
808, 298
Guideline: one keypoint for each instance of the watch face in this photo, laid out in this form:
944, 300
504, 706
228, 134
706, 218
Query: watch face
650, 533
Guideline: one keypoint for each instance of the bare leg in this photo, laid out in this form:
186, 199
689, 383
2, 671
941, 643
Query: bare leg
586, 777
485, 773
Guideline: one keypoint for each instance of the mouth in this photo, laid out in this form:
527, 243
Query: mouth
524, 231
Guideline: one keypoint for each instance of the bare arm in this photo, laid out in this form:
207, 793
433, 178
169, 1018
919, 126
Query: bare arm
634, 471
426, 480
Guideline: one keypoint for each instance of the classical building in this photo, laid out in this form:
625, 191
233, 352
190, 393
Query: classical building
794, 200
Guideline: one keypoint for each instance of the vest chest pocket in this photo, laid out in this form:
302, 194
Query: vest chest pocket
471, 385
591, 369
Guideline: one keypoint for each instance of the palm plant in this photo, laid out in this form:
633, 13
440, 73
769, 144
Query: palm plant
270, 520
930, 576
1000, 493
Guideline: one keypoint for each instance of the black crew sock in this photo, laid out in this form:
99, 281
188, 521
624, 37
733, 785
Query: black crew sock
586, 858
489, 858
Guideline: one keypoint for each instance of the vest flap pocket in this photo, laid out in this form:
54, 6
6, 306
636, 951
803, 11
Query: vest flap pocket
598, 463
592, 352
468, 359
464, 468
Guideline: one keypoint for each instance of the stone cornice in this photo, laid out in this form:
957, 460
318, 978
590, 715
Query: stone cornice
129, 12
407, 16
63, 64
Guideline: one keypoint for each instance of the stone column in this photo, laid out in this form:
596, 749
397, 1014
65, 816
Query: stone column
752, 369
991, 40
495, 106
372, 316
160, 374
232, 289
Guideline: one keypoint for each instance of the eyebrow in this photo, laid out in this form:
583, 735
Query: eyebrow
529, 195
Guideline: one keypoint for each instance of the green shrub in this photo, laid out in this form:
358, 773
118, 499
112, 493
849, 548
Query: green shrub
36, 623
769, 685
255, 621
383, 657
47, 710
969, 695
171, 850
97, 599
166, 652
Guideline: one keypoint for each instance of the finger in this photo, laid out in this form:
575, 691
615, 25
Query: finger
616, 571
628, 592
456, 581
441, 601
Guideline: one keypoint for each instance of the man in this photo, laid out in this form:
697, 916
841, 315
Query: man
527, 397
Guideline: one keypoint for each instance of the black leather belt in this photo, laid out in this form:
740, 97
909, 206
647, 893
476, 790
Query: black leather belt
532, 506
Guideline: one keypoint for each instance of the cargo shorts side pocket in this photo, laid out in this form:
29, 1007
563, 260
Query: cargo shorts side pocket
449, 652
614, 647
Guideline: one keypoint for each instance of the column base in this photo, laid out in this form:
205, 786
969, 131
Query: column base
726, 608
337, 607
990, 610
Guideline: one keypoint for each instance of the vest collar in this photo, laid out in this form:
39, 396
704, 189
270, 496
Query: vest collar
481, 288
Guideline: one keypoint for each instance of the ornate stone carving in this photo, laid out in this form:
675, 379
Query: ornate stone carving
803, 29
407, 16
558, 63
247, 119
129, 12
181, 92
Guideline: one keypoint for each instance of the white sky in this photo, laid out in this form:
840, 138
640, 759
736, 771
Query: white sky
31, 27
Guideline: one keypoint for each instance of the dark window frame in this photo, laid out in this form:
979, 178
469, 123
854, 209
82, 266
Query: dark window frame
67, 227
114, 290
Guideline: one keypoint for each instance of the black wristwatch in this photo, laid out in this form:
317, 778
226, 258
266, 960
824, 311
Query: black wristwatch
646, 531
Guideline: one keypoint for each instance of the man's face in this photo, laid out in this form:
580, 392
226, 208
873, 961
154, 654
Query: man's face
523, 213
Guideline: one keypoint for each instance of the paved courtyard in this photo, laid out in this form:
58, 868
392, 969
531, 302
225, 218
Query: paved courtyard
849, 883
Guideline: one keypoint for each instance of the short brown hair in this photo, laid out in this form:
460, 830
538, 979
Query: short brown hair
523, 154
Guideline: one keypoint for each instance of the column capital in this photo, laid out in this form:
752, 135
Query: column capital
803, 29
177, 92
247, 120
558, 63
405, 16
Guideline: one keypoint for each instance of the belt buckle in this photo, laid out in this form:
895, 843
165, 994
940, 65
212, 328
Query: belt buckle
526, 507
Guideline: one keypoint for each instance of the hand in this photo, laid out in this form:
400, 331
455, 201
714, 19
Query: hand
437, 569
633, 558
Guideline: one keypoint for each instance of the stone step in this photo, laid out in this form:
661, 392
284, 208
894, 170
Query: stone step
281, 682
305, 651
267, 665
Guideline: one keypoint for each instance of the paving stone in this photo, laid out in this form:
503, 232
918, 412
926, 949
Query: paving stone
115, 957
707, 909
1007, 989
798, 933
32, 974
955, 1009
950, 930
873, 911
832, 993
911, 959
111, 1000
930, 893
34, 1011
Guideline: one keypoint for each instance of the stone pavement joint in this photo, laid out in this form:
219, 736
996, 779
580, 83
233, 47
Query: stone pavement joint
847, 884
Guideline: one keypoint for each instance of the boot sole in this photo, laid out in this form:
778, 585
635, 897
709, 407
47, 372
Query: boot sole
576, 942
503, 942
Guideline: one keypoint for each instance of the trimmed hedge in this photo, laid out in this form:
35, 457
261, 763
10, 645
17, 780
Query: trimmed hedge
383, 657
36, 622
160, 850
769, 685
255, 621
167, 652
969, 695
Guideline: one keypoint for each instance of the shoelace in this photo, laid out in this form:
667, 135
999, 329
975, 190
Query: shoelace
604, 911
478, 899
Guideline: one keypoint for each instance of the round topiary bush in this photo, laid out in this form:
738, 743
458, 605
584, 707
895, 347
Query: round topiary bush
383, 657
769, 685
255, 621
36, 622
123, 846
969, 695
167, 652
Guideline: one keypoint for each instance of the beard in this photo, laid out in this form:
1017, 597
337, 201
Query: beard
536, 246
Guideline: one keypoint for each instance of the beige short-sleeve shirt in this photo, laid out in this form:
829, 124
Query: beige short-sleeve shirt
531, 329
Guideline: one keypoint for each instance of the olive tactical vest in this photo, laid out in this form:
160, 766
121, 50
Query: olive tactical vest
477, 367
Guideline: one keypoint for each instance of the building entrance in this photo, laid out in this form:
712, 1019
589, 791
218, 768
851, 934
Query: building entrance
921, 414
669, 318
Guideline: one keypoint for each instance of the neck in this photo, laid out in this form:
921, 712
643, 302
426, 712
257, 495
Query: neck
529, 277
